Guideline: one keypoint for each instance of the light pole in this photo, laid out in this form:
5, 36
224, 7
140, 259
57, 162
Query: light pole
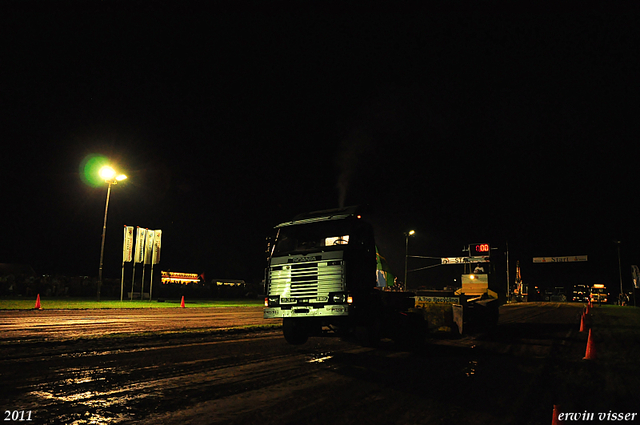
110, 177
406, 255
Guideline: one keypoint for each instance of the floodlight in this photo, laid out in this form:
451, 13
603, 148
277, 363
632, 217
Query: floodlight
107, 172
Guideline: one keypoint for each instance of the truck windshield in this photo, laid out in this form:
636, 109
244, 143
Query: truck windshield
323, 235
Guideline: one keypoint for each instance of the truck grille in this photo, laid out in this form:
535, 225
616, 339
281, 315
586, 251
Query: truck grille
306, 280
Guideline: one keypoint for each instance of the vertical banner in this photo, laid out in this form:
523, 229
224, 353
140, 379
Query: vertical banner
148, 246
127, 248
155, 257
140, 237
127, 245
156, 247
140, 246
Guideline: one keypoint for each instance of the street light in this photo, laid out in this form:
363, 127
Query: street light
110, 177
406, 255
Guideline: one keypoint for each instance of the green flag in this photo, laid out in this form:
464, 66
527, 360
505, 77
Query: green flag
383, 270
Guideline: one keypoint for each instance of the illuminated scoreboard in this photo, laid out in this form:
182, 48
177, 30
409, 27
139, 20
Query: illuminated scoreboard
479, 250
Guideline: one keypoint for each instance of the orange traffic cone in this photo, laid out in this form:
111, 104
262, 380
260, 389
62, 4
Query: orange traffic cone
38, 307
583, 327
590, 354
182, 302
556, 413
588, 307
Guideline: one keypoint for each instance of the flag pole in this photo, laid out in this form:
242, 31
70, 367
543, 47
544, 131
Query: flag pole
133, 278
151, 282
139, 254
142, 283
122, 284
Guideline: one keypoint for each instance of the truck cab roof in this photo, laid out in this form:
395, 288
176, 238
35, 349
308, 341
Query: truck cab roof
323, 215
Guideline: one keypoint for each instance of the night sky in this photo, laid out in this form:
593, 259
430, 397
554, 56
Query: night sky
474, 122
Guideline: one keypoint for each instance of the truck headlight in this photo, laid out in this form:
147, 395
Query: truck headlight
339, 298
271, 301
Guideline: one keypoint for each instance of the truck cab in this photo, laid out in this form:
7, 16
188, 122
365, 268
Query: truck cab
321, 273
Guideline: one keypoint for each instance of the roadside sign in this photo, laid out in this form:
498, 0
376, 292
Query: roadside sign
437, 300
569, 259
464, 260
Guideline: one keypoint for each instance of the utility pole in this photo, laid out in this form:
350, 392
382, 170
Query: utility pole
104, 231
406, 256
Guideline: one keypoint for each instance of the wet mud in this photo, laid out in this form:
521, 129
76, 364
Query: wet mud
245, 377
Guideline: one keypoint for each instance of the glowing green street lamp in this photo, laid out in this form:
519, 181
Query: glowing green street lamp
110, 177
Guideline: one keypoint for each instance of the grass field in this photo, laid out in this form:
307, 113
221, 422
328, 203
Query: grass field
20, 303
617, 334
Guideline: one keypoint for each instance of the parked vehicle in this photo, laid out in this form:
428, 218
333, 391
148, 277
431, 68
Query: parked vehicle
598, 293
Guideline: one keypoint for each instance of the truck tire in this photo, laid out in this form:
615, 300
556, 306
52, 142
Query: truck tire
294, 331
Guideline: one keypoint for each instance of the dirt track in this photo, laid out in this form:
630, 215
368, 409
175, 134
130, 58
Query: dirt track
512, 375
62, 324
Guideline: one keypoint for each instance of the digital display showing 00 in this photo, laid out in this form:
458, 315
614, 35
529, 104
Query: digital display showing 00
480, 249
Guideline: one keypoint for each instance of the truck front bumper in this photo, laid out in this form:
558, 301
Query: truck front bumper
333, 310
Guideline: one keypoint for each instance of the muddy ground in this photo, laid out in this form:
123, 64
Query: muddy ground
512, 375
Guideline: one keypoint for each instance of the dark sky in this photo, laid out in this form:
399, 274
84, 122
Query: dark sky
474, 122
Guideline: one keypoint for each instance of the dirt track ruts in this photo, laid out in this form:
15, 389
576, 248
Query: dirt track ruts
60, 324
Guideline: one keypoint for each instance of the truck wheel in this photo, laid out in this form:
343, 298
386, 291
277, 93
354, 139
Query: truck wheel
294, 330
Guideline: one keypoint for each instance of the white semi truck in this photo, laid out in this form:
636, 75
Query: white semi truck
321, 276
321, 280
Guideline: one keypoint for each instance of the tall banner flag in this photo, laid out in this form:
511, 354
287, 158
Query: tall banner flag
127, 248
156, 247
140, 237
155, 257
127, 245
148, 246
